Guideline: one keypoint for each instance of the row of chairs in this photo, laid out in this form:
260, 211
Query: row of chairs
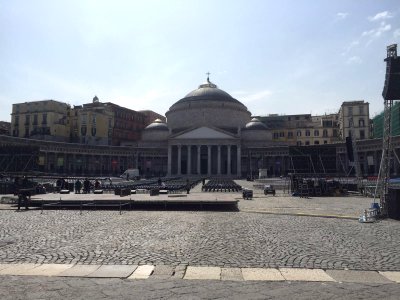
221, 185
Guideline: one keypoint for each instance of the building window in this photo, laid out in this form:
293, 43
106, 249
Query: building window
307, 132
361, 123
350, 111
298, 133
94, 119
307, 143
83, 120
26, 132
290, 134
83, 130
44, 119
362, 134
281, 134
298, 143
334, 133
93, 131
16, 120
361, 108
35, 119
27, 119
276, 135
316, 132
325, 133
316, 142
325, 142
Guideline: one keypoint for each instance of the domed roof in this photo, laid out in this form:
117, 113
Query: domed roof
255, 124
208, 91
157, 125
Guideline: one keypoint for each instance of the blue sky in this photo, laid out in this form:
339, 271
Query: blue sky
284, 57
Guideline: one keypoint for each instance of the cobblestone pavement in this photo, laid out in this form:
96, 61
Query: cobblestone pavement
13, 287
179, 238
348, 206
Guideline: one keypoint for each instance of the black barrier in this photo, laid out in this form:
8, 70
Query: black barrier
154, 192
393, 204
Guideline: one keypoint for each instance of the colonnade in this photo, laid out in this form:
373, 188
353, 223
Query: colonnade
204, 160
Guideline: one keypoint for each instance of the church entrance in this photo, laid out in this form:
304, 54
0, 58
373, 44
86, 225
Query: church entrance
203, 160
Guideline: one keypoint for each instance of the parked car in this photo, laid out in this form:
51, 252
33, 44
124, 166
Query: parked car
269, 189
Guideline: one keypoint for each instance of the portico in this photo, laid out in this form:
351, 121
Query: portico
204, 151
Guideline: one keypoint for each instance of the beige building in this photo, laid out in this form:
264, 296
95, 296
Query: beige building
92, 123
95, 123
358, 113
302, 130
45, 120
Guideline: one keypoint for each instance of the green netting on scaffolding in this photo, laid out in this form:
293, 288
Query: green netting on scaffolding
395, 120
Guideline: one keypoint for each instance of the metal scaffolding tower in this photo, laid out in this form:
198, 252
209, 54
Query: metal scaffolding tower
391, 92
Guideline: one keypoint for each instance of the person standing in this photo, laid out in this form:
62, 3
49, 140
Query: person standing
187, 186
78, 186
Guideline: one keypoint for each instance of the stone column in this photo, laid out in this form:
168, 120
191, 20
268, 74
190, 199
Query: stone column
179, 159
219, 160
209, 160
189, 160
169, 165
228, 171
198, 159
239, 161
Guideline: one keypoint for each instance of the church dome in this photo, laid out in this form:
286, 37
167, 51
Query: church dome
208, 91
157, 125
255, 124
207, 106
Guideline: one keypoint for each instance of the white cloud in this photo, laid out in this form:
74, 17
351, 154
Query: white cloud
352, 45
381, 16
354, 60
396, 33
376, 32
248, 97
341, 15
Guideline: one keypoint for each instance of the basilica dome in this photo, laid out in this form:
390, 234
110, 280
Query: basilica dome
207, 106
255, 124
157, 125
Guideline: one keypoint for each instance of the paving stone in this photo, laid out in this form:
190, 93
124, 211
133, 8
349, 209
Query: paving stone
203, 273
18, 269
238, 240
305, 274
79, 270
48, 270
142, 272
234, 274
163, 271
357, 276
391, 275
179, 272
4, 266
113, 271
262, 274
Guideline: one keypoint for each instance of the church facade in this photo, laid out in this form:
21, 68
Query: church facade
207, 133
204, 134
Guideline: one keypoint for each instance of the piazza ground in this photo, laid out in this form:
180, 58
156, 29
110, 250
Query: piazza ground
268, 232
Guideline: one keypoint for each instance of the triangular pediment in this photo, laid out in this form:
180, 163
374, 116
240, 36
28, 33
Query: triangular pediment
204, 133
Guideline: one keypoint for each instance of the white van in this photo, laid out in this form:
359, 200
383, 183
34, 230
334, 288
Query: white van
130, 174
